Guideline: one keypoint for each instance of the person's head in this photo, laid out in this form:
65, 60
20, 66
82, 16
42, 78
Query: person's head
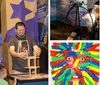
3, 72
20, 28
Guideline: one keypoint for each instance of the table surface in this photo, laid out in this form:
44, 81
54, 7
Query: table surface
25, 77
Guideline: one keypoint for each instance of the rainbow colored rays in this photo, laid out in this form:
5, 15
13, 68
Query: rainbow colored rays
75, 63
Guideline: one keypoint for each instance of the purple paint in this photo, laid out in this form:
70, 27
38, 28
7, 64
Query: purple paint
20, 11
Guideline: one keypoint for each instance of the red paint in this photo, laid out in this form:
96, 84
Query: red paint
56, 62
82, 80
95, 80
77, 70
56, 44
65, 52
93, 48
92, 71
53, 53
93, 59
77, 46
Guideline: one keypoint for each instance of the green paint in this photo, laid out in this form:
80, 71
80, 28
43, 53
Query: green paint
89, 54
84, 64
84, 83
74, 45
92, 65
90, 82
88, 64
59, 80
62, 47
63, 74
57, 58
83, 45
71, 75
77, 53
66, 83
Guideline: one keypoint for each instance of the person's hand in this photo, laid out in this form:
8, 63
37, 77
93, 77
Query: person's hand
22, 55
37, 51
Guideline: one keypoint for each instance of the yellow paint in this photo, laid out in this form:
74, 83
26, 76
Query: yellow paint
59, 55
85, 74
93, 68
75, 83
94, 53
76, 62
50, 56
67, 43
80, 45
54, 81
87, 83
81, 52
56, 73
55, 69
55, 50
97, 59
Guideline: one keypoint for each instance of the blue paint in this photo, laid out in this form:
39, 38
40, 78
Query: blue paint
79, 75
70, 45
67, 74
93, 75
88, 46
73, 54
61, 64
56, 47
80, 82
95, 63
60, 52
83, 68
54, 78
71, 83
66, 46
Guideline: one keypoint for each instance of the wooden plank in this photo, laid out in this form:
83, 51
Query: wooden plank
27, 77
72, 36
32, 67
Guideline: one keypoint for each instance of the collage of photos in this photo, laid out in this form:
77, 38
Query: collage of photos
49, 42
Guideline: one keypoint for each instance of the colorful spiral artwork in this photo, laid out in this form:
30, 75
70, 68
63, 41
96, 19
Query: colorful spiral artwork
75, 63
